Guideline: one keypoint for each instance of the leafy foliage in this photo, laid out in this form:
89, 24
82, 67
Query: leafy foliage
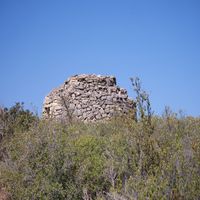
114, 160
15, 119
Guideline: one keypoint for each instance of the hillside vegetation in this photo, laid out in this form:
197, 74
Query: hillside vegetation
150, 157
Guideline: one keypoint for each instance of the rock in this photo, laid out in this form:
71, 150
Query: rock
109, 98
84, 101
73, 96
71, 106
79, 112
101, 110
88, 109
107, 102
103, 97
98, 116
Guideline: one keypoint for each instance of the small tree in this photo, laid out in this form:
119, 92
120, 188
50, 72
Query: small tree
65, 102
143, 105
15, 118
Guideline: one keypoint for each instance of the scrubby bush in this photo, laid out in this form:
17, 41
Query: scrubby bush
15, 119
113, 160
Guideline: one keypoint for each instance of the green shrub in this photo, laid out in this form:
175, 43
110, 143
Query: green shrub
15, 119
113, 160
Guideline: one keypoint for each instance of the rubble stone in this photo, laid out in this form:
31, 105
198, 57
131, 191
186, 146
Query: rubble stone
88, 98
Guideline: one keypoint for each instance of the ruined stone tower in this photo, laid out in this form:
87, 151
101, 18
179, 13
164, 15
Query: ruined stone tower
87, 98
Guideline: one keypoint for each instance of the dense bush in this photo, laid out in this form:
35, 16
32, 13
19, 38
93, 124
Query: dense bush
114, 160
15, 119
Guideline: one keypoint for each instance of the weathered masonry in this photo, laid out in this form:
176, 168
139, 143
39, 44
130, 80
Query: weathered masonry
87, 98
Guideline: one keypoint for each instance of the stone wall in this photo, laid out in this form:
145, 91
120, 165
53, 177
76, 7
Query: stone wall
87, 98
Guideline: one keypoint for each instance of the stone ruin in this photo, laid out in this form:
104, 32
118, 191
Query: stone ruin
87, 98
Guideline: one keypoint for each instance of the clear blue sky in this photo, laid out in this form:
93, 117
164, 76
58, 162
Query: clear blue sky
43, 42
